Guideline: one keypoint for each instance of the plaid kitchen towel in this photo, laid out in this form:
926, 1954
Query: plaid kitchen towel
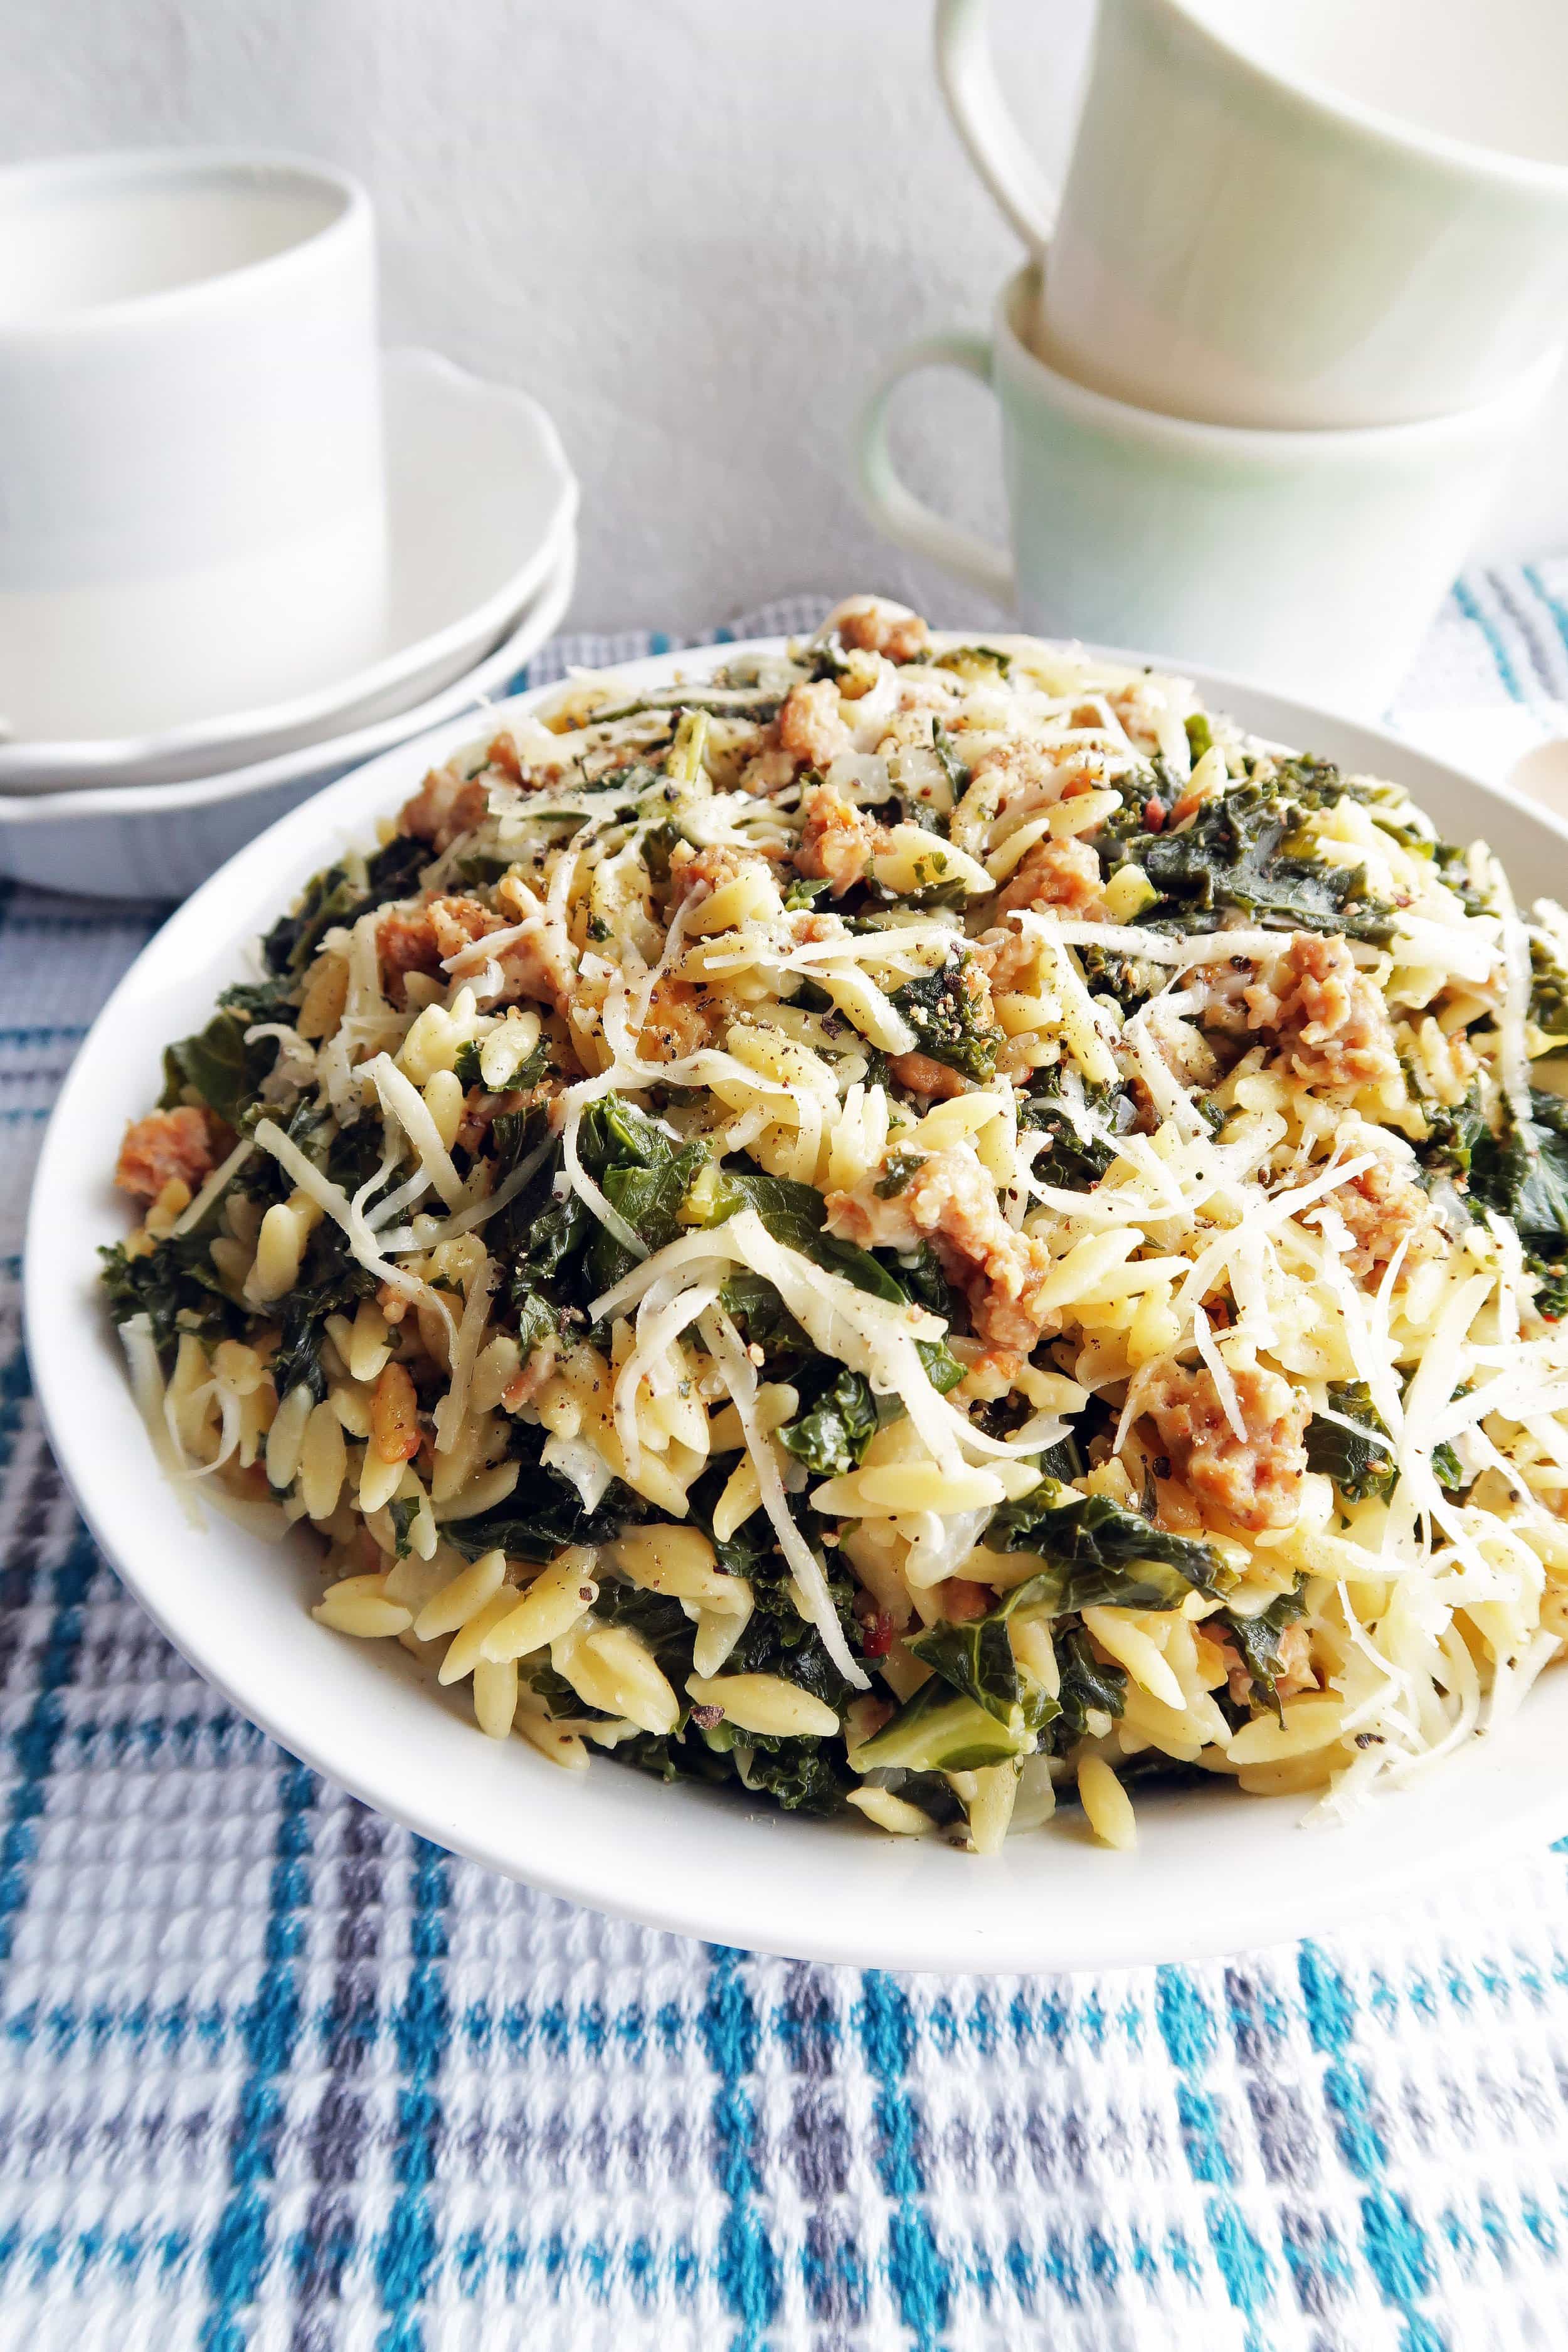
275, 2075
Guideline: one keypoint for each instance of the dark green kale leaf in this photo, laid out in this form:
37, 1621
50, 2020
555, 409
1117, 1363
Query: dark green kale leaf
1525, 1177
657, 1619
804, 892
919, 1274
753, 1303
527, 1071
332, 899
261, 1000
795, 1215
897, 1173
942, 1008
1256, 1641
965, 658
802, 1775
303, 1319
751, 1551
976, 1658
1075, 1162
1084, 1683
953, 768
174, 1285
1129, 981
642, 1173
1098, 1555
543, 1513
402, 1512
1306, 782
557, 1249
778, 1641
832, 1437
872, 1273
1548, 990
1359, 1466
1232, 855
670, 1759
218, 1065
1453, 1133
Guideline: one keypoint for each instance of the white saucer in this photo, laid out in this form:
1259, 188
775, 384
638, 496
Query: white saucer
481, 498
161, 840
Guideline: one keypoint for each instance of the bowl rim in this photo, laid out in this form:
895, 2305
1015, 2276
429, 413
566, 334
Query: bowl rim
103, 758
683, 1859
330, 754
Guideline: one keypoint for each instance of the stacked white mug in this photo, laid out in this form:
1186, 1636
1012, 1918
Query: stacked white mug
1305, 288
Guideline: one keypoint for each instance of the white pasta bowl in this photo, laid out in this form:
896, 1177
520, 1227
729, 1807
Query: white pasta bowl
1213, 1870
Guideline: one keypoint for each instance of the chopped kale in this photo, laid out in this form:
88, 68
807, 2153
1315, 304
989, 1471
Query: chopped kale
795, 1215
527, 1070
801, 1775
1548, 990
1098, 1555
804, 891
1075, 1162
1256, 1641
642, 1173
872, 1273
832, 1437
655, 1619
174, 1285
1127, 981
942, 1009
539, 1320
1359, 1466
1199, 734
1453, 1133
778, 1641
332, 899
1083, 1684
1525, 1177
402, 1512
976, 1658
953, 768
1306, 782
898, 1170
1232, 855
966, 660
303, 1318
260, 1000
543, 1513
218, 1066
792, 1213
751, 1302
536, 1237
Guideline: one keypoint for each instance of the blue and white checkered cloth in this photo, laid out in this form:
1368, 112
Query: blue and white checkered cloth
277, 2074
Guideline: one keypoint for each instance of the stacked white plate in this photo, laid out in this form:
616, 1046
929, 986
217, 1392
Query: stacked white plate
483, 511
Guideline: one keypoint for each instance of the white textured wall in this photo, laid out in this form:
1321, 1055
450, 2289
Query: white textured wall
692, 226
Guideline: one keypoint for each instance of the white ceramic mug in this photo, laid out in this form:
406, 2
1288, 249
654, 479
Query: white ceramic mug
191, 496
1308, 562
1294, 212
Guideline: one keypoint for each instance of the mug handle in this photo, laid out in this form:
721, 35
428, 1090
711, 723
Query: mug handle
984, 123
907, 519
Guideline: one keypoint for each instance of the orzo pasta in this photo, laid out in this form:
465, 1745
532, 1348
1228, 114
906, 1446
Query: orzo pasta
917, 1227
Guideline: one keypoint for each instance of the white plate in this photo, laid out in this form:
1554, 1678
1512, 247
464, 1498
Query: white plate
162, 841
1214, 1870
480, 500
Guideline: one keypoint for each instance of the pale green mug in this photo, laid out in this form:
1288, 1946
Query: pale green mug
1293, 212
1308, 562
